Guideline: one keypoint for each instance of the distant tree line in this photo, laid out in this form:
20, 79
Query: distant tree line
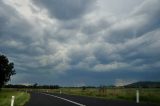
101, 88
34, 86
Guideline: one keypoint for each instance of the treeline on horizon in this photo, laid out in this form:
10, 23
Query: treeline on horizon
36, 86
44, 86
144, 84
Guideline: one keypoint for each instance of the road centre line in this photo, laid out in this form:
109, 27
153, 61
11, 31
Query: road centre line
79, 104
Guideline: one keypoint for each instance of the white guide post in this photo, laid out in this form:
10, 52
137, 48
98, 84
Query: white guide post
12, 100
137, 96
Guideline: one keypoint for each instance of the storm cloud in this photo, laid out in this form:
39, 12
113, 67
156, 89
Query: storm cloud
76, 43
65, 10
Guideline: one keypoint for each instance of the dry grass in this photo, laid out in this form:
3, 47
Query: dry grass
146, 95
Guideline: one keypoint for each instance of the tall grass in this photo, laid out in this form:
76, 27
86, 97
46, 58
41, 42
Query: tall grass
151, 95
20, 97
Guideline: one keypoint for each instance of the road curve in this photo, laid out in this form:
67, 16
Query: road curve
47, 99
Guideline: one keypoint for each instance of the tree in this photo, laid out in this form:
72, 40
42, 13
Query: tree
6, 70
83, 88
35, 85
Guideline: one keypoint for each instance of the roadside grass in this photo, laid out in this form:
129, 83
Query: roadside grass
20, 97
147, 95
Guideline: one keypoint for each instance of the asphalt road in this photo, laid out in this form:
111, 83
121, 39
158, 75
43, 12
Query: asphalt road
46, 99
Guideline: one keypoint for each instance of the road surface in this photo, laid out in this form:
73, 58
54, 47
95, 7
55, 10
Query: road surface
47, 99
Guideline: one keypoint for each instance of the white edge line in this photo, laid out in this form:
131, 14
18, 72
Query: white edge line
64, 99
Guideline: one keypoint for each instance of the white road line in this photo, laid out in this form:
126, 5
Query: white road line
79, 104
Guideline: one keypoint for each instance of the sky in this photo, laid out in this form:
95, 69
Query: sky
81, 42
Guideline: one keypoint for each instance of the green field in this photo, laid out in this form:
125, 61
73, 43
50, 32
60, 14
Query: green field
20, 97
149, 95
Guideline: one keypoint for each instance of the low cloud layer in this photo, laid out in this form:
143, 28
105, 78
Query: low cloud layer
80, 42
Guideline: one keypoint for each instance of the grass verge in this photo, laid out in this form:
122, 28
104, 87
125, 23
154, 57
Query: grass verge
148, 95
20, 97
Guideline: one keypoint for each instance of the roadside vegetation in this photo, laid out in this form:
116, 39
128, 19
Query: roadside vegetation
20, 97
147, 95
149, 91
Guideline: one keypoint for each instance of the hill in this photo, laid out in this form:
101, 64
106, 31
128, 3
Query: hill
144, 84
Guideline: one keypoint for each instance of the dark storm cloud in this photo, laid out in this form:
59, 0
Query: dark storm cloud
91, 29
93, 50
14, 30
65, 9
143, 20
16, 39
